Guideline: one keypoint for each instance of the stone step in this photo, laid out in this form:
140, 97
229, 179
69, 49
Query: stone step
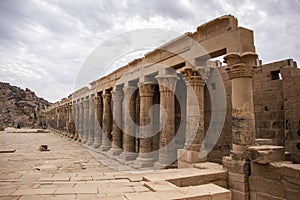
190, 177
206, 191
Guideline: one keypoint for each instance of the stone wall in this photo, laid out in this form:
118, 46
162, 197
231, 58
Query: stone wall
277, 105
276, 91
277, 180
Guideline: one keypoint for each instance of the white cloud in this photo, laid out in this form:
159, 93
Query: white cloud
43, 44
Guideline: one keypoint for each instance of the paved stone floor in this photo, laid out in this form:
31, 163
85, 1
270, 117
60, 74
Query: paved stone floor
67, 171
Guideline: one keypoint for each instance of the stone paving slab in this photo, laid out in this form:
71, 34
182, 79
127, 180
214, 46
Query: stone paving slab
71, 171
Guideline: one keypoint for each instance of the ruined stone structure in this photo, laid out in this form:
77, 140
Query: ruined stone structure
259, 141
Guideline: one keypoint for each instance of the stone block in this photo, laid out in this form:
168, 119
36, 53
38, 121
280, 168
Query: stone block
243, 178
183, 164
200, 177
235, 166
44, 147
260, 141
238, 181
159, 186
265, 185
253, 195
266, 153
190, 156
237, 195
292, 194
265, 170
291, 175
263, 196
239, 186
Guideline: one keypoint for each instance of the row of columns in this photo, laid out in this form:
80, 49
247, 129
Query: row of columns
106, 122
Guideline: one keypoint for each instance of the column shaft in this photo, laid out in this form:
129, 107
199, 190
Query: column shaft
117, 97
107, 125
85, 121
194, 118
98, 121
76, 121
241, 70
80, 120
145, 158
167, 152
91, 121
129, 124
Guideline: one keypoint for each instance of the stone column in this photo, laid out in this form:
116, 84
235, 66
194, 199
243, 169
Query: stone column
107, 119
167, 86
76, 120
194, 117
117, 97
85, 135
71, 130
98, 121
80, 120
129, 124
145, 158
58, 118
91, 121
240, 70
66, 119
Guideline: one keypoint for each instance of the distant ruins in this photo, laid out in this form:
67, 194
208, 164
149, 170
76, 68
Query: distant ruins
259, 142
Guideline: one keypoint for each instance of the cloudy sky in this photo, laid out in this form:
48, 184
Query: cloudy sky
43, 44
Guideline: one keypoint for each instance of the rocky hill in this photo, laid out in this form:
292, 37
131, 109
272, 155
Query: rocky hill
18, 106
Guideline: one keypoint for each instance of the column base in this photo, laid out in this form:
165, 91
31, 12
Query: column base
144, 162
96, 145
90, 142
114, 151
105, 148
187, 158
127, 156
84, 141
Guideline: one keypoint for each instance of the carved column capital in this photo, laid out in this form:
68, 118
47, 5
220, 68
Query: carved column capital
129, 91
240, 64
146, 89
97, 99
86, 103
167, 83
117, 95
192, 76
106, 97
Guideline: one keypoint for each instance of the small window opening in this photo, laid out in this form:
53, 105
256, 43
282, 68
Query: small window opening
298, 145
276, 75
266, 108
286, 124
298, 132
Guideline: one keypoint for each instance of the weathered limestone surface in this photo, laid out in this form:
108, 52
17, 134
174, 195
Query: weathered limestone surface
241, 71
167, 85
107, 121
145, 158
85, 129
129, 123
98, 122
266, 153
91, 121
117, 98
